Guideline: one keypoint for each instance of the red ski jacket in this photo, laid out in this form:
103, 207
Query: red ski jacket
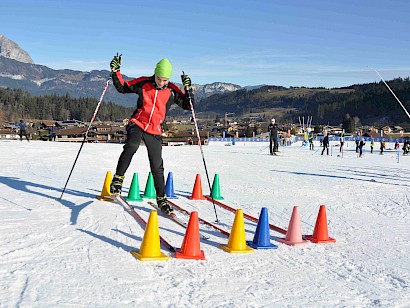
153, 103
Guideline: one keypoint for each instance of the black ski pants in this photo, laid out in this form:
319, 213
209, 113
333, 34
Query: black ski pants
154, 147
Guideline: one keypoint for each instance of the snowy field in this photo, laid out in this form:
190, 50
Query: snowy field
75, 252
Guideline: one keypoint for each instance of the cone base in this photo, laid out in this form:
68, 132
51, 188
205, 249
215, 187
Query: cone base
256, 246
137, 255
181, 255
291, 243
216, 198
197, 198
317, 241
134, 199
231, 250
171, 197
105, 198
149, 197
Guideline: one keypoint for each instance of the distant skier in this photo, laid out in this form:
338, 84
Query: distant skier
326, 144
371, 146
357, 140
273, 137
155, 96
406, 147
382, 146
311, 145
361, 145
23, 130
342, 142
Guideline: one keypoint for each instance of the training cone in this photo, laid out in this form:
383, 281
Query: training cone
150, 247
191, 245
320, 233
105, 192
169, 186
261, 240
216, 190
294, 233
197, 191
237, 241
134, 193
149, 191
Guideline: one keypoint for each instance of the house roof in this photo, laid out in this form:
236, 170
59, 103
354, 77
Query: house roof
72, 131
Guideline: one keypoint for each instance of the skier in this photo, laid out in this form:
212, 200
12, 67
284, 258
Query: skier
311, 145
273, 137
326, 144
23, 130
342, 142
406, 147
357, 140
382, 146
371, 146
155, 96
361, 145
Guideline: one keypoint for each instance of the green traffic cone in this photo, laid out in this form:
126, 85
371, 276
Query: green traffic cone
216, 190
134, 193
150, 192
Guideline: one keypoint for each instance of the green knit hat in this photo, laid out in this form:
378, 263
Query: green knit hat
163, 68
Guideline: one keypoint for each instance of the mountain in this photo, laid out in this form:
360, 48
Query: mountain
11, 50
40, 80
17, 70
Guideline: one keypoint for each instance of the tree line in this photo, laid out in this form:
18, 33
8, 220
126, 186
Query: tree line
369, 104
17, 104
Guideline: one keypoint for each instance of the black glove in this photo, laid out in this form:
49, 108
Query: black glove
116, 63
186, 81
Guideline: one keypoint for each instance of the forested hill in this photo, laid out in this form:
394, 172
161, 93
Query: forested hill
16, 104
372, 103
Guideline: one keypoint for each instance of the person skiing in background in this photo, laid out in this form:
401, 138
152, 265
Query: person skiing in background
357, 140
273, 137
155, 96
23, 130
371, 146
406, 147
342, 142
311, 145
361, 145
326, 144
382, 146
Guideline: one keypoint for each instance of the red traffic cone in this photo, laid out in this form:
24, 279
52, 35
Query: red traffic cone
294, 233
190, 248
320, 234
197, 191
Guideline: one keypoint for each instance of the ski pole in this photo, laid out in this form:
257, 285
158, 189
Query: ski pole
402, 106
199, 143
86, 134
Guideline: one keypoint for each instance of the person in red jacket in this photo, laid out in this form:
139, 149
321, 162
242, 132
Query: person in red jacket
155, 96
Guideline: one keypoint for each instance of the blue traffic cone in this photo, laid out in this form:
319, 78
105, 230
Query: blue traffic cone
169, 187
261, 240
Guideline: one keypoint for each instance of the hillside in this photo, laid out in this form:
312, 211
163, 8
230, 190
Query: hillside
372, 103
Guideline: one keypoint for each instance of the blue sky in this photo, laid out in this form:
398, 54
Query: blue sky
287, 43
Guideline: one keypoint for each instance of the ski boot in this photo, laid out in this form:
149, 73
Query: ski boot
164, 206
116, 185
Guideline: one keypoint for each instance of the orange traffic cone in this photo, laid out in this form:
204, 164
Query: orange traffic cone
237, 240
105, 192
191, 244
150, 247
294, 233
320, 234
197, 191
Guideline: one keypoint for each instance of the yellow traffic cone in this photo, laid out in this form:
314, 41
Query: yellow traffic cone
150, 247
105, 192
237, 240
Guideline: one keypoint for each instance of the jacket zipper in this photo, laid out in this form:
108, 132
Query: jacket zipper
152, 111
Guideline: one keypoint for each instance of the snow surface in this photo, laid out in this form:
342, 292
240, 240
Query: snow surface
75, 252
